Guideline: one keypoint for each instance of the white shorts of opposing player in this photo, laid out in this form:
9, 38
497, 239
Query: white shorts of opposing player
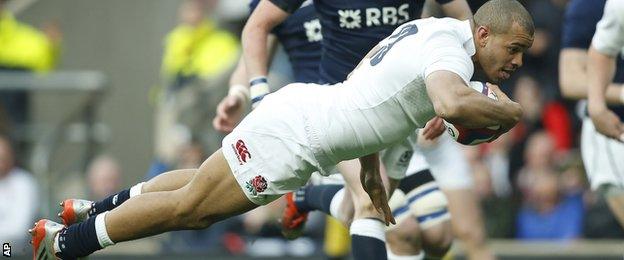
602, 157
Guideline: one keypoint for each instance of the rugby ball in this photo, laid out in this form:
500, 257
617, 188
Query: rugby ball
476, 135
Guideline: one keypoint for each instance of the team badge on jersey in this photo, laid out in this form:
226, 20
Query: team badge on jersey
256, 185
241, 151
313, 30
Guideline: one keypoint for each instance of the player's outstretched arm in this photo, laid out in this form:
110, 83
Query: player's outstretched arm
232, 107
457, 103
263, 19
573, 77
600, 70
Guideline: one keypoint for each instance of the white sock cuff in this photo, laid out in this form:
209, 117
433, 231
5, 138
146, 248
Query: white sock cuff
100, 231
136, 189
369, 228
334, 206
392, 256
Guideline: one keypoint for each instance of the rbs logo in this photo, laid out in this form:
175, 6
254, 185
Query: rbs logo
373, 16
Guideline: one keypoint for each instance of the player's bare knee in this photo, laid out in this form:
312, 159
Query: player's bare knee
397, 237
469, 234
437, 240
437, 248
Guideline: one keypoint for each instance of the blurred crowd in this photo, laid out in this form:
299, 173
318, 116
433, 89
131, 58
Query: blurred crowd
530, 181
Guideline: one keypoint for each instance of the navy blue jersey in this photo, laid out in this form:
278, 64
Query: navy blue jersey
352, 27
579, 25
300, 35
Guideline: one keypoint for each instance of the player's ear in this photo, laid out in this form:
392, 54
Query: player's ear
483, 35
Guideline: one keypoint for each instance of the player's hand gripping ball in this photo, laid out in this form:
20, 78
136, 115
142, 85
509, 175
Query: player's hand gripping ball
474, 136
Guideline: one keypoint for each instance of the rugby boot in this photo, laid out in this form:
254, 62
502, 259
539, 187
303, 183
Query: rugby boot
74, 211
43, 234
293, 220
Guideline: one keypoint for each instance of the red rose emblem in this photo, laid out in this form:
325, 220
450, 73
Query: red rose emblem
259, 183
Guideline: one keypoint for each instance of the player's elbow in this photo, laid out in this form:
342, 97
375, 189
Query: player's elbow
447, 110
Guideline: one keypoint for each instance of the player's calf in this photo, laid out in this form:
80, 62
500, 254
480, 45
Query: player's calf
76, 210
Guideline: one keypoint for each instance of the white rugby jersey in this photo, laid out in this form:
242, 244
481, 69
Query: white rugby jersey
384, 99
609, 36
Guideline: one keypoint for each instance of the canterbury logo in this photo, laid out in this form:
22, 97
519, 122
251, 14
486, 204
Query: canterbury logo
242, 153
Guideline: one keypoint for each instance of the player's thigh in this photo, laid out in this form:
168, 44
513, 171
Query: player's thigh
171, 180
214, 192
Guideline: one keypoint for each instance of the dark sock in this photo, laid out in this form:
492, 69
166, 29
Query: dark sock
316, 197
367, 239
364, 247
78, 240
109, 203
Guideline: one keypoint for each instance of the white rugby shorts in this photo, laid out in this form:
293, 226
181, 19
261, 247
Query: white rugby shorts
603, 157
269, 152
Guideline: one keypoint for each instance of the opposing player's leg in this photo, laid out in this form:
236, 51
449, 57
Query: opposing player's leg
605, 170
212, 195
615, 199
420, 209
469, 228
304, 200
450, 169
367, 228
76, 210
404, 239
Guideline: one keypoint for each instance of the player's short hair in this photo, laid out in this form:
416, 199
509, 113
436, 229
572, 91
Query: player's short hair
500, 15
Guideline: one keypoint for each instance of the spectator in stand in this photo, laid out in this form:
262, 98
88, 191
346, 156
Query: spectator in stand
548, 211
197, 60
18, 200
104, 177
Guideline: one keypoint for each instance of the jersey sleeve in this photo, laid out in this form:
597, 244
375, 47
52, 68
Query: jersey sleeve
252, 5
289, 6
609, 36
578, 26
446, 53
